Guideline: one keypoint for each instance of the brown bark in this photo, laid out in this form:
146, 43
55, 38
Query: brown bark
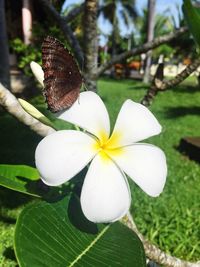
90, 44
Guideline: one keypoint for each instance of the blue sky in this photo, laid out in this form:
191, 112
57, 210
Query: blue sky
169, 7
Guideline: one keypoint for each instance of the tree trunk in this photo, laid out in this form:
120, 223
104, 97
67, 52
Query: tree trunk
90, 44
4, 52
114, 38
114, 35
150, 36
27, 21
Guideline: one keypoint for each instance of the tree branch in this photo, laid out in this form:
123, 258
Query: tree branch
164, 85
11, 104
74, 13
181, 76
142, 49
66, 29
156, 254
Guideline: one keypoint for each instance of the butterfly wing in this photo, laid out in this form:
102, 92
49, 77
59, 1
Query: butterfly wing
62, 78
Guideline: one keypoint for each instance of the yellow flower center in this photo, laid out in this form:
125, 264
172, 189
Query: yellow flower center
108, 147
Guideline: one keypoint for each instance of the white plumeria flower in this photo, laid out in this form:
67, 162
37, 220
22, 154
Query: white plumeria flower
105, 195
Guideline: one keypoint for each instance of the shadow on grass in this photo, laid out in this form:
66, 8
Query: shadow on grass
7, 220
176, 89
11, 199
182, 111
17, 146
17, 142
137, 87
185, 89
10, 254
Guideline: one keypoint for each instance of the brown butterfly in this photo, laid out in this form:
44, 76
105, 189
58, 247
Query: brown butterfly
62, 78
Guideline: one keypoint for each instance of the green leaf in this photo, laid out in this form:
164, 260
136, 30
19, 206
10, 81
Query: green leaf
192, 16
57, 234
58, 124
20, 178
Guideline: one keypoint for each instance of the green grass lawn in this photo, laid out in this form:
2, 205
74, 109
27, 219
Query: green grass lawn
172, 221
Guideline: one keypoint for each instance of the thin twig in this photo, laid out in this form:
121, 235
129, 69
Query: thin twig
156, 254
164, 85
66, 29
141, 49
11, 104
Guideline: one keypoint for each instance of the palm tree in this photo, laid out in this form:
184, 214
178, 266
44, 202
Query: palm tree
114, 10
4, 53
163, 25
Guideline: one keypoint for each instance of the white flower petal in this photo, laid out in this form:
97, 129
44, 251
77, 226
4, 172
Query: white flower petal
89, 113
105, 195
146, 166
134, 123
62, 155
38, 72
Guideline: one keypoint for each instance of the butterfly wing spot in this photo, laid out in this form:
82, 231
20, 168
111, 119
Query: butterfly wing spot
62, 78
